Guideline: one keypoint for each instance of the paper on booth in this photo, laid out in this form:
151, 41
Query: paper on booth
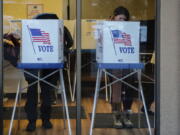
117, 42
42, 41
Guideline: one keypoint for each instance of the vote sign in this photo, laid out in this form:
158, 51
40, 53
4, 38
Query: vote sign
42, 41
117, 42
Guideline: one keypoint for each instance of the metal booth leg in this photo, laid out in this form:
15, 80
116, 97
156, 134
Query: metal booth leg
62, 98
69, 81
98, 81
38, 87
19, 103
14, 109
110, 94
69, 76
106, 88
74, 86
139, 115
143, 100
65, 102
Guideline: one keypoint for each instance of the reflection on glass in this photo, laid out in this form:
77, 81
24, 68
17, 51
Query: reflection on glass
111, 113
125, 113
14, 12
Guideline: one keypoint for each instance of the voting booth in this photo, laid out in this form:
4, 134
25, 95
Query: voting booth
42, 43
42, 48
117, 42
118, 48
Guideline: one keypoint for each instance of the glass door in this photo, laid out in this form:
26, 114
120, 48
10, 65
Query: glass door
118, 95
38, 111
122, 105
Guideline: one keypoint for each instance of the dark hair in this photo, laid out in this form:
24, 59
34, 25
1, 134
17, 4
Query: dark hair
46, 16
121, 10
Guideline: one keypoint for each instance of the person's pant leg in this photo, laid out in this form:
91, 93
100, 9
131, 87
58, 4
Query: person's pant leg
116, 91
127, 97
32, 96
46, 93
148, 94
128, 92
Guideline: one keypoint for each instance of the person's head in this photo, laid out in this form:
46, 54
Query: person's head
121, 14
46, 16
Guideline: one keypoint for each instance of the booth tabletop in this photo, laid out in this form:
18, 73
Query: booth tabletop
40, 65
120, 65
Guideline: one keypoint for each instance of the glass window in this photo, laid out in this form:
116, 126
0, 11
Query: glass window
117, 68
109, 31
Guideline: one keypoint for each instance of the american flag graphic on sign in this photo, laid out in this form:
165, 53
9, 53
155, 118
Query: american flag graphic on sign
121, 37
37, 35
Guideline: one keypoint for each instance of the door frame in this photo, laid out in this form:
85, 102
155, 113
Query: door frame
157, 66
1, 68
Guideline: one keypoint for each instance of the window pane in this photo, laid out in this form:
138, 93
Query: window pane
119, 105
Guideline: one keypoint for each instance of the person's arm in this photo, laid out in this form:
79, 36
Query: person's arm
67, 38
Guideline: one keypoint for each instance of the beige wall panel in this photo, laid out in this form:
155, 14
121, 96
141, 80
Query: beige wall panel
17, 9
102, 9
170, 67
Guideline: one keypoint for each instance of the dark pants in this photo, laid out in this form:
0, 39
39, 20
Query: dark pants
121, 93
116, 87
32, 95
148, 94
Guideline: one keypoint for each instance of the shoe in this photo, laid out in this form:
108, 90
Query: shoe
31, 126
117, 121
54, 102
46, 124
148, 111
127, 123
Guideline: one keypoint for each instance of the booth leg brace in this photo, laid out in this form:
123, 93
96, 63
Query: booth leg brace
97, 90
143, 100
98, 81
14, 109
64, 100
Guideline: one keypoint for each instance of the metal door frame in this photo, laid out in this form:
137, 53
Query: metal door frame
78, 68
157, 66
1, 67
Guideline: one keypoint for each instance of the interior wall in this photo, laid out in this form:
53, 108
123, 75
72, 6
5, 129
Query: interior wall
102, 9
64, 8
17, 9
170, 68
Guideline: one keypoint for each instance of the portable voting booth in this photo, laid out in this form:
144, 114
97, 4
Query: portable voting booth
42, 48
118, 48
